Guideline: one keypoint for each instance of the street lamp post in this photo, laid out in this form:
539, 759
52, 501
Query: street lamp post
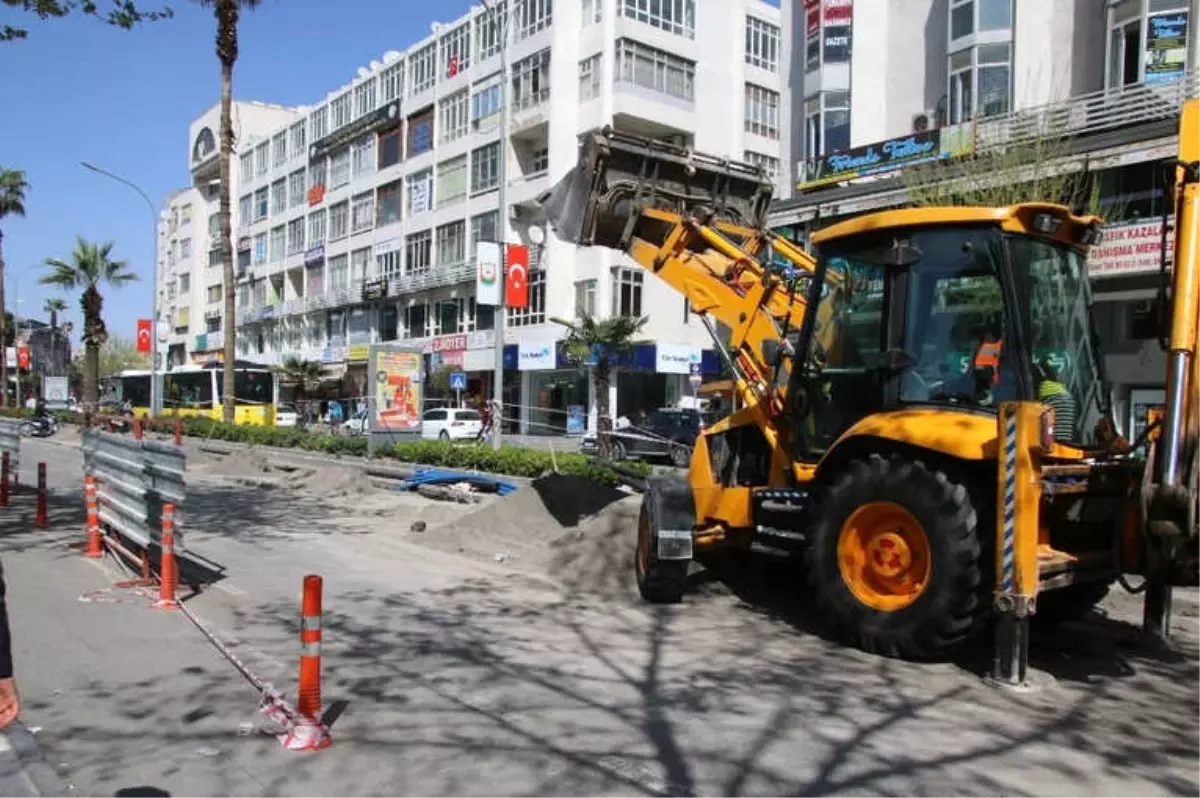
501, 10
155, 388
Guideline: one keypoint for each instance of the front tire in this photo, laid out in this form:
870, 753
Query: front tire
666, 504
895, 559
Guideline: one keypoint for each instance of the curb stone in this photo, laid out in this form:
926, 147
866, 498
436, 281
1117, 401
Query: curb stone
23, 771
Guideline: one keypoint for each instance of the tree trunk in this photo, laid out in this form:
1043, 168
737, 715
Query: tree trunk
3, 337
91, 380
604, 424
226, 158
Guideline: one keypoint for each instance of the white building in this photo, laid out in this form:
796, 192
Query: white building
356, 220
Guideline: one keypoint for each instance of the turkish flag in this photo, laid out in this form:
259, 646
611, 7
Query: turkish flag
23, 357
516, 276
143, 335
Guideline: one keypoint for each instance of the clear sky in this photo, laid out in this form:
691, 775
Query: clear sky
78, 90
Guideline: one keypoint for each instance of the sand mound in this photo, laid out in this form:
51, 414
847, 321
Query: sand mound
598, 556
332, 481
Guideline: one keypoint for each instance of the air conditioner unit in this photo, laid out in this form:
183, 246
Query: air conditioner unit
924, 121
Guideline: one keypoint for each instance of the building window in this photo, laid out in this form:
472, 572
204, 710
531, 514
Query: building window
339, 275
827, 123
360, 264
185, 214
260, 248
769, 164
185, 248
363, 156
279, 196
245, 209
452, 181
365, 98
185, 283
362, 212
246, 167
319, 123
419, 190
762, 44
279, 151
539, 161
585, 297
295, 236
316, 228
278, 242
536, 312
485, 104
657, 70
454, 50
980, 82
298, 144
416, 321
761, 112
387, 203
452, 115
296, 196
971, 16
420, 132
418, 250
488, 30
1125, 43
262, 158
261, 200
452, 243
531, 16
339, 111
485, 168
673, 16
591, 12
389, 148
316, 174
589, 77
627, 292
339, 220
485, 227
339, 168
215, 294
531, 80
422, 69
392, 80
389, 264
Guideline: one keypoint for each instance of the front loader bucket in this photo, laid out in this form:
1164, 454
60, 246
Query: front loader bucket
619, 174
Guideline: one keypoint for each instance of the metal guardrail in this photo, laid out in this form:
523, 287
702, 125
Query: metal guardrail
135, 478
10, 441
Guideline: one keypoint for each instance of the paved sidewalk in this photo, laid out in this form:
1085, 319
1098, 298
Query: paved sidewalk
23, 770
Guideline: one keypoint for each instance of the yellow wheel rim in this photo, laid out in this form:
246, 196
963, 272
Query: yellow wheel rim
884, 556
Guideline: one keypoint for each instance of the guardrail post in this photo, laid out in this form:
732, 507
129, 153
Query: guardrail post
309, 700
95, 541
4, 481
169, 576
179, 432
39, 520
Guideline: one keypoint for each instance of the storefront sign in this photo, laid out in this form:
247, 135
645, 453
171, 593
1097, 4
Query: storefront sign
479, 360
314, 255
448, 343
954, 141
675, 359
374, 290
379, 119
535, 355
837, 44
397, 381
812, 16
1166, 47
1131, 248
838, 12
358, 353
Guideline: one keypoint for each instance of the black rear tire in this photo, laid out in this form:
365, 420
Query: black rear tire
666, 504
951, 607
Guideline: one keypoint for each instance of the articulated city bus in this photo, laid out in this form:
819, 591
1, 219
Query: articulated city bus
195, 392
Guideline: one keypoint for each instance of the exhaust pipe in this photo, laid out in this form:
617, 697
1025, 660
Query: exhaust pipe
620, 174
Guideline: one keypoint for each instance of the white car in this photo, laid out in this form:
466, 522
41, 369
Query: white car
285, 416
357, 424
450, 424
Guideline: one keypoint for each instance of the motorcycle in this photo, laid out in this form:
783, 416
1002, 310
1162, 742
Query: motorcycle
40, 427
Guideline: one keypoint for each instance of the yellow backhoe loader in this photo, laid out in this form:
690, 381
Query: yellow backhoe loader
921, 411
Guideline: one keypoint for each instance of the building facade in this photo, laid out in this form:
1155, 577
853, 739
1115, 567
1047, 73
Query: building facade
356, 218
1087, 90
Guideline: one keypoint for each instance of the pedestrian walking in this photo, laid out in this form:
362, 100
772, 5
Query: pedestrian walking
335, 416
10, 703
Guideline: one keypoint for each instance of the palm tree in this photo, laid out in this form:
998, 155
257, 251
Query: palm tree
90, 266
227, 13
304, 374
599, 344
12, 203
54, 305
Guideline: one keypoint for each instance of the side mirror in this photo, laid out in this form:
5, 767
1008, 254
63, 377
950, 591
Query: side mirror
772, 352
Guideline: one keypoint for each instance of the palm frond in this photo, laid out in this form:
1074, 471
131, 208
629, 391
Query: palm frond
13, 186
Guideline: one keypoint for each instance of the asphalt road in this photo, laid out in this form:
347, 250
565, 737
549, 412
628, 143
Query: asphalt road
449, 676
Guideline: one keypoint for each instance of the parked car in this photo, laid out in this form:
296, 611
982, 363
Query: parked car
358, 424
667, 434
285, 416
450, 424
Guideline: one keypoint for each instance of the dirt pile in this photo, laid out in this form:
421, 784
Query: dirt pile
565, 527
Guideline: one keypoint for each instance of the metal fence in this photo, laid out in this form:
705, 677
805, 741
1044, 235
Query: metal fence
10, 441
135, 478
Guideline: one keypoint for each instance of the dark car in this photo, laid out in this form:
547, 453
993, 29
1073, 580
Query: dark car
668, 433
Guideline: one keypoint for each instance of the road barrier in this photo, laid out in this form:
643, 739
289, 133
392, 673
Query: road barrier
309, 698
135, 480
95, 546
10, 446
40, 520
168, 570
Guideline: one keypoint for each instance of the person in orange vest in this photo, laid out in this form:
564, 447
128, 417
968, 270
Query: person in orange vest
985, 361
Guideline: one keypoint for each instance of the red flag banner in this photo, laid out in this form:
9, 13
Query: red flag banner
516, 276
143, 335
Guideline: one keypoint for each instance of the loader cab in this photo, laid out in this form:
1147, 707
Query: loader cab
955, 309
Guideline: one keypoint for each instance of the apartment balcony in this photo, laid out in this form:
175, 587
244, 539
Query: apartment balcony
524, 190
530, 114
435, 277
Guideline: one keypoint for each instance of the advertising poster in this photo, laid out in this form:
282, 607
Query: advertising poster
1166, 47
54, 392
397, 404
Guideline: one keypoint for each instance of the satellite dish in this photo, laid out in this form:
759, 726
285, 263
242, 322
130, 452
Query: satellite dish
537, 235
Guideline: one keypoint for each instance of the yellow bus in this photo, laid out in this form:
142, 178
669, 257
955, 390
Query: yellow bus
195, 392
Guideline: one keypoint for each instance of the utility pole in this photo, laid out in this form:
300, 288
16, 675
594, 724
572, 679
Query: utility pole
501, 10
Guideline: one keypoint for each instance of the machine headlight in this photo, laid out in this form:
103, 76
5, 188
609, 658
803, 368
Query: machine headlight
1091, 235
1047, 223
